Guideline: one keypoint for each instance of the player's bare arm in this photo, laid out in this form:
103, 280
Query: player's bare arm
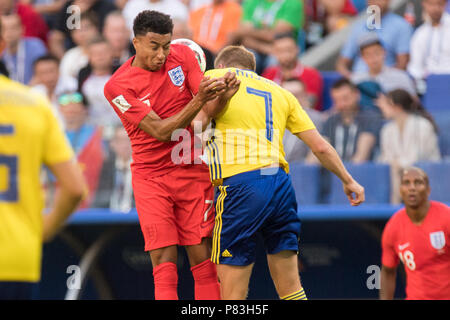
330, 159
387, 283
71, 189
214, 107
162, 129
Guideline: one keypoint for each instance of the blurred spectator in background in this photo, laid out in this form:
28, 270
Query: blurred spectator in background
77, 58
326, 16
196, 4
33, 24
351, 131
262, 19
337, 13
394, 33
92, 79
20, 52
430, 44
175, 8
46, 80
181, 30
296, 149
409, 137
116, 32
385, 78
48, 9
115, 190
85, 139
213, 24
287, 52
60, 38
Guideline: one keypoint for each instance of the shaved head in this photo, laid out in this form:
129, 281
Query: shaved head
414, 188
407, 170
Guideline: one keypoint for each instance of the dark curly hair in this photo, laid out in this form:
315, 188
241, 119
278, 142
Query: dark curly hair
152, 21
411, 104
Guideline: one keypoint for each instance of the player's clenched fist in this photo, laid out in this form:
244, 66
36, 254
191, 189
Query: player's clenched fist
232, 85
210, 88
354, 192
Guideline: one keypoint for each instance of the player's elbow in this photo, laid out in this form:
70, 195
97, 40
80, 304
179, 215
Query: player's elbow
77, 191
321, 147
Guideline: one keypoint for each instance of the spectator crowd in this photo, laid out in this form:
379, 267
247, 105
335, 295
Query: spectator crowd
68, 50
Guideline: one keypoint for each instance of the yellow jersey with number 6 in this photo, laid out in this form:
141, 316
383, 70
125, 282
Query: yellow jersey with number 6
30, 136
247, 134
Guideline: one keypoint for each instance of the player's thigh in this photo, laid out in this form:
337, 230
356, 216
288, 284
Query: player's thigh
284, 271
234, 280
281, 230
156, 214
239, 214
193, 206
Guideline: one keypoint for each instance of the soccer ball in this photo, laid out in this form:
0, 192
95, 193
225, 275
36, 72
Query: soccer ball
199, 54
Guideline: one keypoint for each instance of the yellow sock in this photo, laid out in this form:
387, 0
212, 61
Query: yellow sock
297, 295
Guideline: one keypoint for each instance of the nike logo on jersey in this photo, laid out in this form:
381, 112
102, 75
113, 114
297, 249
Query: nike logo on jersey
144, 96
147, 101
403, 246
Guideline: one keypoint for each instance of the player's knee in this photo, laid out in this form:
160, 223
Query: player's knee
163, 255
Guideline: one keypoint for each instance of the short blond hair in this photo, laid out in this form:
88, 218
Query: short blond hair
236, 56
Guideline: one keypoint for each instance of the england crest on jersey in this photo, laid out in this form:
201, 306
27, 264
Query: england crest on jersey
437, 239
177, 76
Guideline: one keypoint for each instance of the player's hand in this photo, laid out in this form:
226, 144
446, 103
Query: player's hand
354, 192
210, 88
232, 85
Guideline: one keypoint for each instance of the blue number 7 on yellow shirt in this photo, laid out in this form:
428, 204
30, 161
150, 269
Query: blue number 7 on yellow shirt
268, 104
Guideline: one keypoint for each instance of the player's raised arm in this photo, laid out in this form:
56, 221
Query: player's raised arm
215, 106
329, 158
162, 129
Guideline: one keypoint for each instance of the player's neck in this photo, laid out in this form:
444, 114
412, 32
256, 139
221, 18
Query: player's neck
417, 215
138, 63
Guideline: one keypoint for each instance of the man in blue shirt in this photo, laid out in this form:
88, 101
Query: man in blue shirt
20, 52
394, 32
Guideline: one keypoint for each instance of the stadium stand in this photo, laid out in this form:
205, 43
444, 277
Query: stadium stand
329, 77
439, 175
442, 119
306, 182
437, 95
373, 176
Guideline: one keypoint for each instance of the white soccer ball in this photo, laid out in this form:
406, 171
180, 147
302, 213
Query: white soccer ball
199, 54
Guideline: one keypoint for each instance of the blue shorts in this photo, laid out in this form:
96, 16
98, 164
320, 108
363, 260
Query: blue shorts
249, 203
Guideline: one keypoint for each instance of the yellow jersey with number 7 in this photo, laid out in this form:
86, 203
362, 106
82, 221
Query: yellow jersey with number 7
30, 136
247, 134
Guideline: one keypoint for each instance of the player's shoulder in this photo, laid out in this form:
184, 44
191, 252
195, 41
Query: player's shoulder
122, 77
218, 72
17, 94
397, 218
441, 208
179, 53
177, 49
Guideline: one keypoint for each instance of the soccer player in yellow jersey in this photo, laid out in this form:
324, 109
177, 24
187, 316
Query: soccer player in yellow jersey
30, 136
246, 162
